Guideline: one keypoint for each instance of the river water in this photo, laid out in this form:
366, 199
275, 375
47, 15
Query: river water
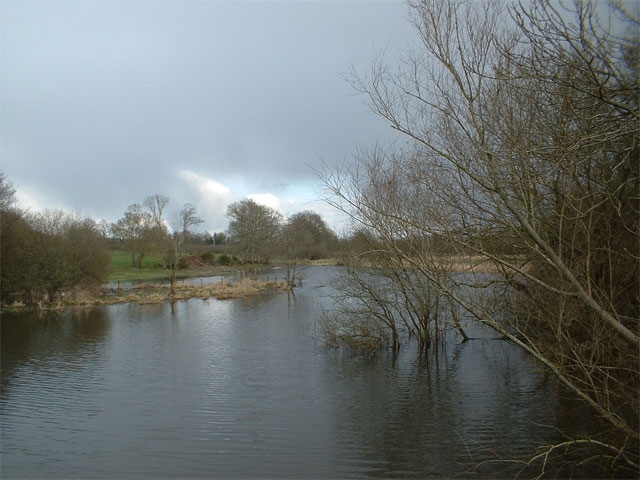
244, 388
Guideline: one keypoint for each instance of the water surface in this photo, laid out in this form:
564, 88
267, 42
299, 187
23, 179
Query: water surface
245, 389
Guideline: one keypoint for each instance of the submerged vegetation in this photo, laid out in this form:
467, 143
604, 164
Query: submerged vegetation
523, 148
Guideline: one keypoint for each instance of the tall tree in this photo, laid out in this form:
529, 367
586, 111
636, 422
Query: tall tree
188, 218
182, 222
254, 228
154, 206
524, 138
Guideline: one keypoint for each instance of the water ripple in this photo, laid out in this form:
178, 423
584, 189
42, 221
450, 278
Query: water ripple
242, 388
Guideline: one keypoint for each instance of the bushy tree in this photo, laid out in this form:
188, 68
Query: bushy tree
49, 253
65, 251
15, 270
306, 236
254, 228
141, 232
14, 230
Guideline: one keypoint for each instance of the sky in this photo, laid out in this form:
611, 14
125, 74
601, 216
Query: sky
106, 102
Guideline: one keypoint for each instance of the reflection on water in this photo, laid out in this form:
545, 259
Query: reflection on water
244, 388
31, 339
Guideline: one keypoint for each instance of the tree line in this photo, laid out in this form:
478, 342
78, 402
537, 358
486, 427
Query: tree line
45, 254
522, 152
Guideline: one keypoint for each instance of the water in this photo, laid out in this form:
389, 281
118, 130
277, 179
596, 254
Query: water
245, 389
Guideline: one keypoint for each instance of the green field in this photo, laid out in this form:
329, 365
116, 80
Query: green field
122, 270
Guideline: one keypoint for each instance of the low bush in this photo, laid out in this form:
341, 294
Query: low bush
208, 258
225, 260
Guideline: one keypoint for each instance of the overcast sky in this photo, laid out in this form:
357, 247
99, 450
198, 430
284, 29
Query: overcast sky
208, 102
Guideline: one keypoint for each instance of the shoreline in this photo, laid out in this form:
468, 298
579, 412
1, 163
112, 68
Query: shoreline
145, 294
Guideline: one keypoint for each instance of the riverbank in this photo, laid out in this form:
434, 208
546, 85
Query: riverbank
145, 290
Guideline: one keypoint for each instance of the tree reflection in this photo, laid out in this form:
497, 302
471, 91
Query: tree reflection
28, 337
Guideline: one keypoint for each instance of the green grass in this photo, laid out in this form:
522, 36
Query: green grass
121, 268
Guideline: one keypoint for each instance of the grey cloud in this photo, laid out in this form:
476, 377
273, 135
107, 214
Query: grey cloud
103, 102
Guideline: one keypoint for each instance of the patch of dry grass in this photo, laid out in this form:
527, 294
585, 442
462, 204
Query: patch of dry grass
144, 294
150, 294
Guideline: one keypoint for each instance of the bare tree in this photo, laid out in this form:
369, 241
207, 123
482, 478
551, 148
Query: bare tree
181, 223
155, 205
523, 156
189, 218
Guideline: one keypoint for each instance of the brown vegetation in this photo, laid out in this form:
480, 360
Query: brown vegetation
150, 293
